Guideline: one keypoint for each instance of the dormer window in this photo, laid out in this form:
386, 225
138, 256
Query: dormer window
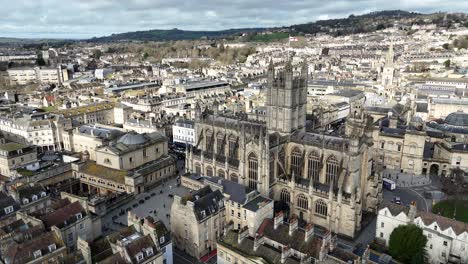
139, 256
43, 194
52, 247
37, 254
161, 240
34, 198
435, 228
203, 214
9, 209
149, 251
25, 201
79, 216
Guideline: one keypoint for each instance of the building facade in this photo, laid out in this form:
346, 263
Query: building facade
325, 179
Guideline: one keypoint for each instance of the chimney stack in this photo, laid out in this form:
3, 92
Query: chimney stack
284, 254
258, 241
242, 234
412, 212
292, 225
278, 220
309, 232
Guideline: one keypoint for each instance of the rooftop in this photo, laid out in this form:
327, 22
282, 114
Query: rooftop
91, 168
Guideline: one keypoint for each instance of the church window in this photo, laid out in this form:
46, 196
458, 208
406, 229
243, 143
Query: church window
209, 172
296, 162
220, 144
285, 196
332, 170
321, 208
198, 169
313, 167
209, 141
232, 147
234, 177
253, 171
302, 202
221, 174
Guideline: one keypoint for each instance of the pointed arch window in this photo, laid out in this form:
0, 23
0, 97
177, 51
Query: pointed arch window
285, 196
302, 202
253, 171
332, 170
313, 166
296, 162
321, 208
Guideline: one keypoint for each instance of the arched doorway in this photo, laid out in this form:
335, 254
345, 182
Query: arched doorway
434, 169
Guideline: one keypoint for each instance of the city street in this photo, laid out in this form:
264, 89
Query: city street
156, 202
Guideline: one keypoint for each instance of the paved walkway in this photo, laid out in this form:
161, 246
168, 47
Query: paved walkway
406, 179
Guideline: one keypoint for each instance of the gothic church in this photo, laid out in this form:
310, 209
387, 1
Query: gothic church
327, 180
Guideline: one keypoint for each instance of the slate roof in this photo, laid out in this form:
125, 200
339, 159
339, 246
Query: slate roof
63, 216
138, 245
27, 191
295, 241
443, 222
457, 119
271, 255
132, 141
99, 132
24, 252
257, 203
237, 192
394, 208
6, 201
208, 202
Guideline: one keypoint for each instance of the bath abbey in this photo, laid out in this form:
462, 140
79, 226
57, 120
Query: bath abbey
327, 179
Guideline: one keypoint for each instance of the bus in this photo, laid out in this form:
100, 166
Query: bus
389, 184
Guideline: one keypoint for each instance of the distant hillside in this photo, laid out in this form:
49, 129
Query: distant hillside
343, 26
173, 34
355, 24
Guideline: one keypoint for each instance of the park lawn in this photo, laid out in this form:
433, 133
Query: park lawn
447, 208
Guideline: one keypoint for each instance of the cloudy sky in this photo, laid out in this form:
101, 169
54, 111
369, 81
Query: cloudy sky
88, 18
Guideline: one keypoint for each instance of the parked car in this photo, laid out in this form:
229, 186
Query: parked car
170, 195
135, 205
397, 200
141, 201
147, 198
153, 194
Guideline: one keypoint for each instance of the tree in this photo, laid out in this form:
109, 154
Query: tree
97, 54
407, 244
447, 63
40, 60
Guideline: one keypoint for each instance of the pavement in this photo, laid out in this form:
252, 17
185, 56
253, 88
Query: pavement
155, 202
407, 179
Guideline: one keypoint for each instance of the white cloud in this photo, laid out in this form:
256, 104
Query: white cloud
88, 18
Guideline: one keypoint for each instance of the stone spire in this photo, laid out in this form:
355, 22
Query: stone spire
390, 56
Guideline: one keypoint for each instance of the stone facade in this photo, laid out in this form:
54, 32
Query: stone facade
328, 180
